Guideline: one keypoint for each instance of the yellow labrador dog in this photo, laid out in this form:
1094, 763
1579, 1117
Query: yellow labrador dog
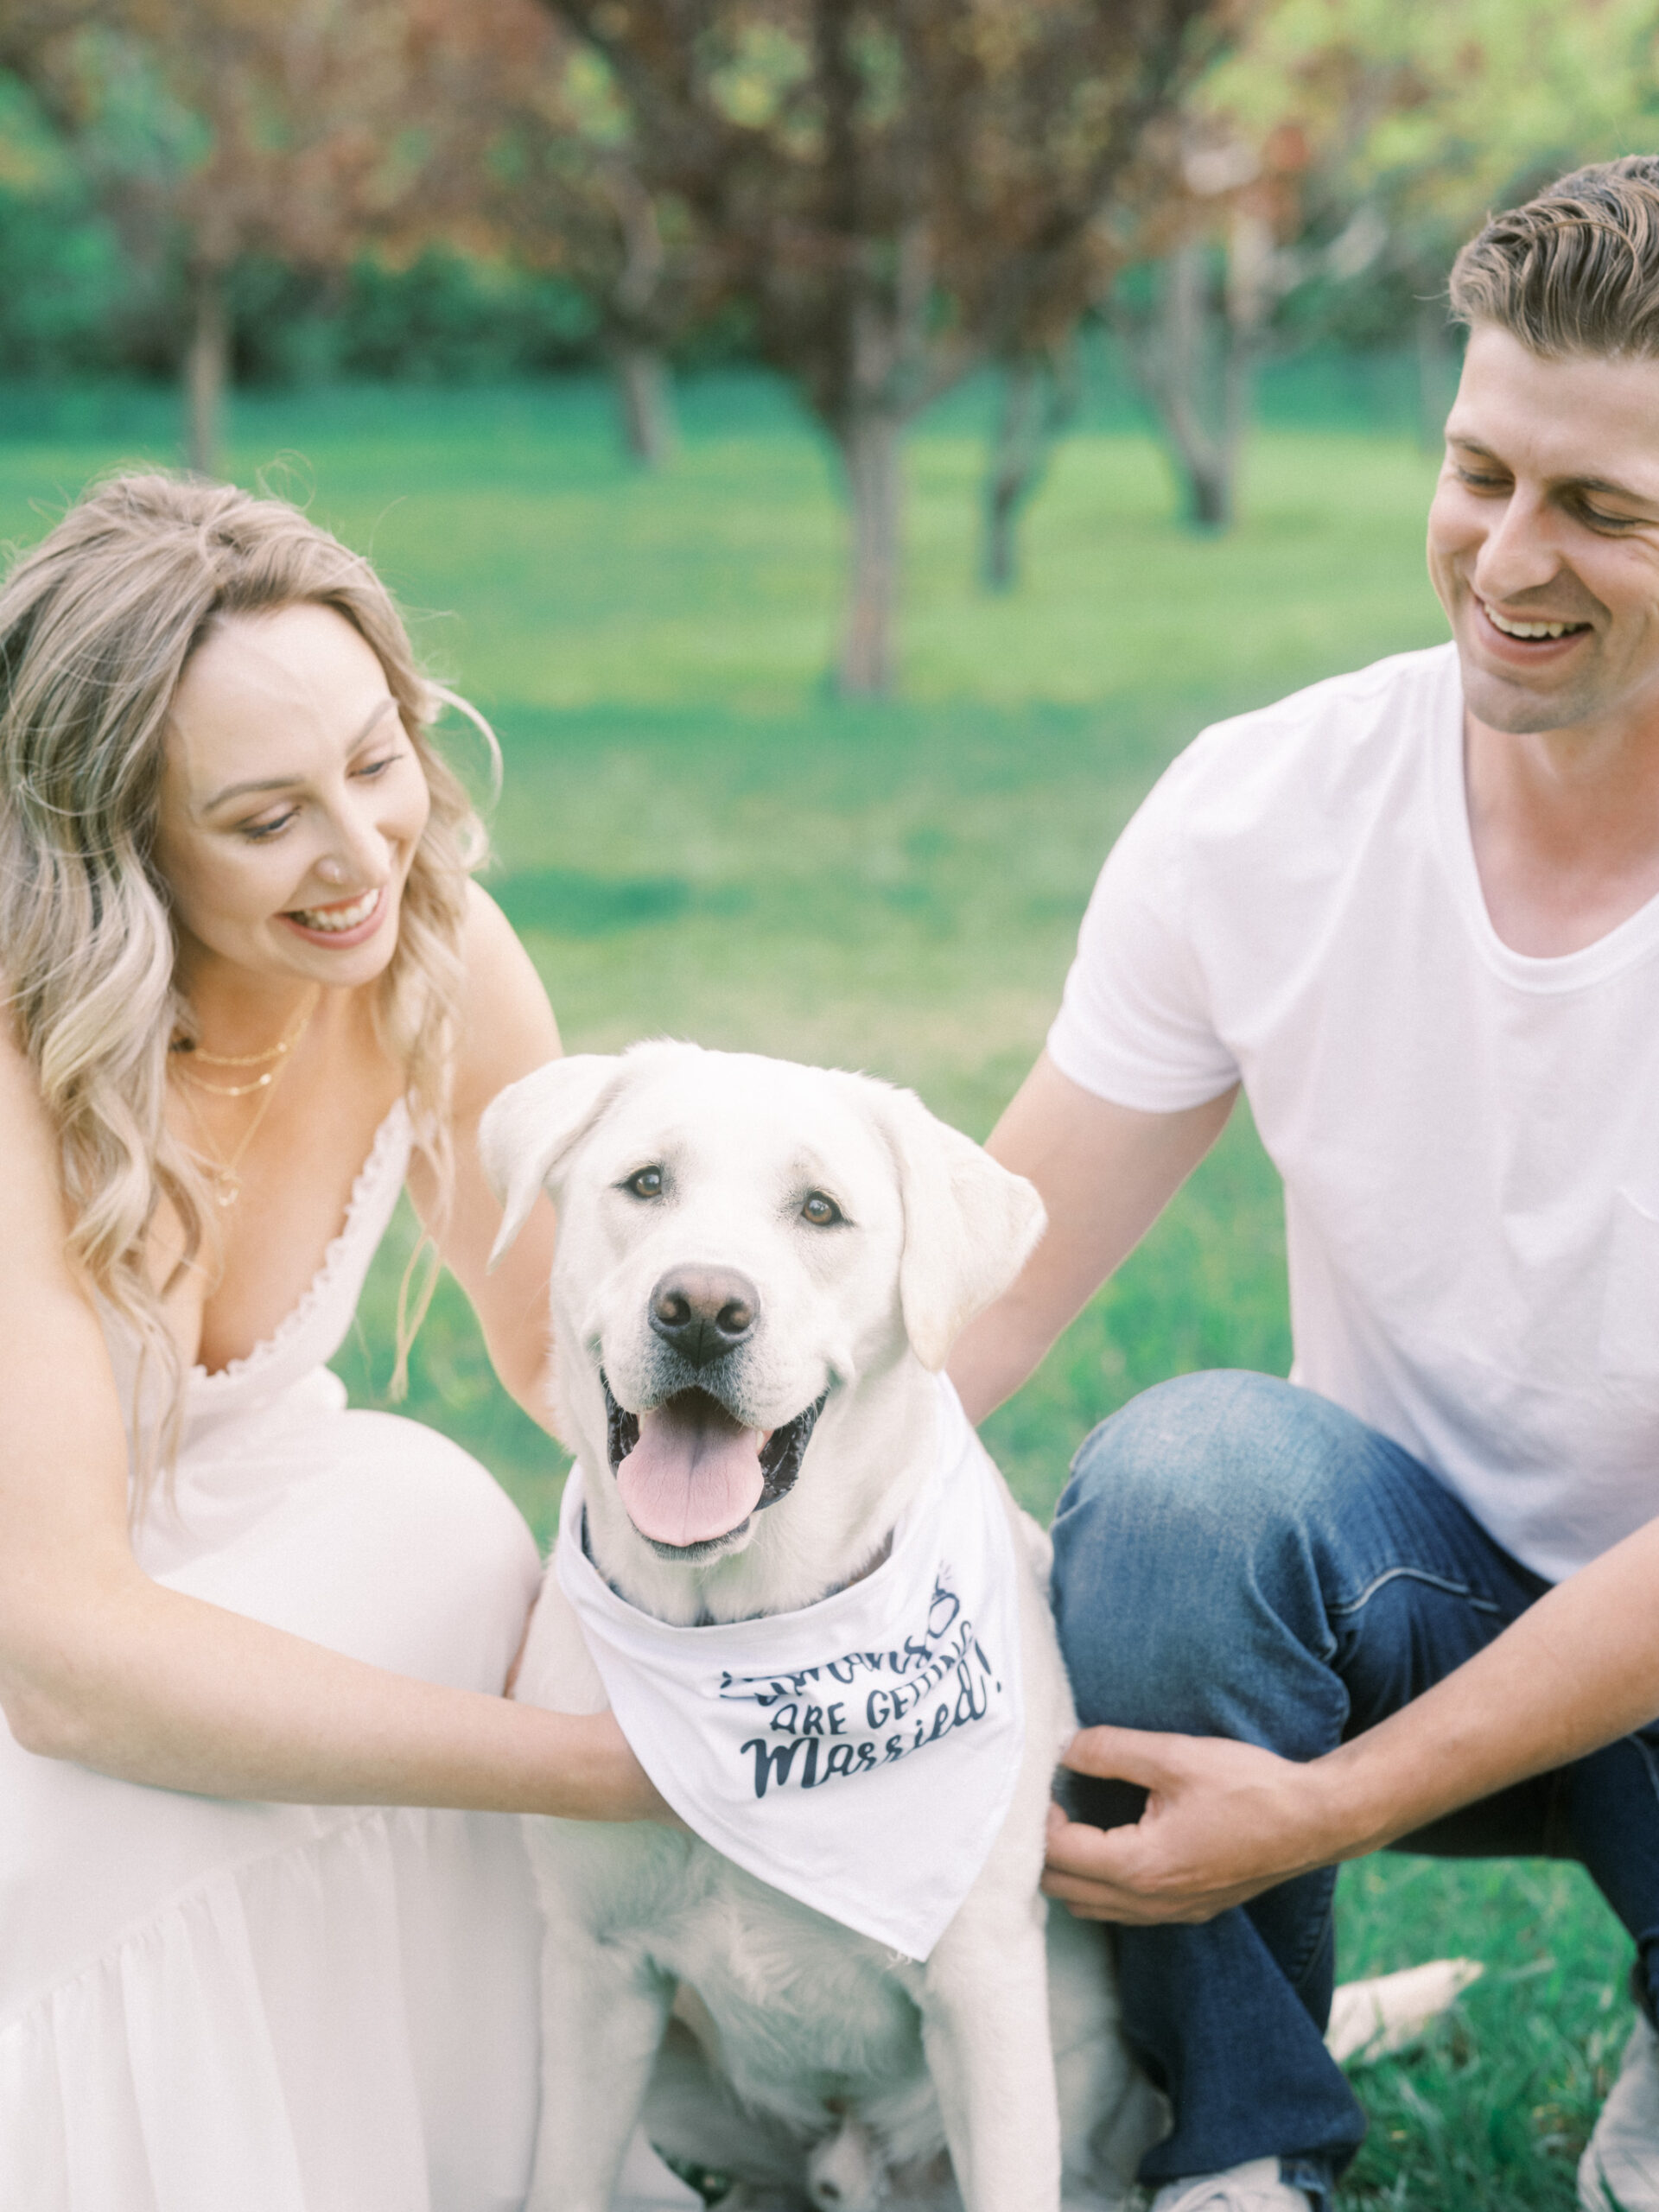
824, 1623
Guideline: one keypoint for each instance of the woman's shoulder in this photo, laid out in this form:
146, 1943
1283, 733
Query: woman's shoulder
24, 1114
32, 1217
507, 1023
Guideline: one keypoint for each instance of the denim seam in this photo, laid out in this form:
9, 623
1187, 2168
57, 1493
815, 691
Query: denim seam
1301, 1963
1345, 1605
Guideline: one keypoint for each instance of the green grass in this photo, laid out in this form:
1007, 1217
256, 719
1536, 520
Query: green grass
694, 839
1493, 2111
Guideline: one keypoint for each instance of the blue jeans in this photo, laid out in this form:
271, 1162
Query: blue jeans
1235, 1556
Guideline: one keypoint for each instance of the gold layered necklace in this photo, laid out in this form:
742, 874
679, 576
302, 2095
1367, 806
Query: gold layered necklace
224, 1171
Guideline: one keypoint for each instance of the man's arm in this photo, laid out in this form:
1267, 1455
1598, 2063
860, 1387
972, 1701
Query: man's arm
1105, 1173
1225, 1820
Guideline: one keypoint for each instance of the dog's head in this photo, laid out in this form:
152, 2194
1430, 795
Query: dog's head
742, 1241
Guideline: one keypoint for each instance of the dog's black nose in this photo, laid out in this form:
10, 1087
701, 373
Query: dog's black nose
704, 1312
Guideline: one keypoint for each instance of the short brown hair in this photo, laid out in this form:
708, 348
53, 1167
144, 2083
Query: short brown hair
1576, 271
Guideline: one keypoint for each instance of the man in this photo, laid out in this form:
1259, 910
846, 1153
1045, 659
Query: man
1415, 913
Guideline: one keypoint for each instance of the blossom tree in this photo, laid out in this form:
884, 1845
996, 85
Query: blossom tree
896, 194
1406, 122
539, 161
218, 128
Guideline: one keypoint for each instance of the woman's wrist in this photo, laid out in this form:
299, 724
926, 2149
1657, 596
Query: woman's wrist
598, 1778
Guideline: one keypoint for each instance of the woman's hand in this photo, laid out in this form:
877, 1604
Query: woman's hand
1223, 1821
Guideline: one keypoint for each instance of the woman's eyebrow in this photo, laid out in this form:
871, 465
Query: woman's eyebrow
284, 782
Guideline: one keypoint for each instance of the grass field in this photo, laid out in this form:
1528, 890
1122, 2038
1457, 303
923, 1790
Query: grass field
694, 839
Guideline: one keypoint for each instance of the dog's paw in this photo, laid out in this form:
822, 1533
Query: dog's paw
847, 2173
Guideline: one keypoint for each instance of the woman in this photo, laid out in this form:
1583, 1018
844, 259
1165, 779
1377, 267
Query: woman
251, 986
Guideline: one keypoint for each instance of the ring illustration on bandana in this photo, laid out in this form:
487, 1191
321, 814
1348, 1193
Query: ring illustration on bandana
859, 1754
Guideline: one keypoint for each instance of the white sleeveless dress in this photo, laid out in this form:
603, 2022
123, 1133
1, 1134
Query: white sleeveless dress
212, 2007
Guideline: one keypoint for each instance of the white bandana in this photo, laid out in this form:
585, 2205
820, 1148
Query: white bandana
860, 1754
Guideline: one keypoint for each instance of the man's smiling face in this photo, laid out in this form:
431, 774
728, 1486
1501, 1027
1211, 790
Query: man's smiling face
1543, 539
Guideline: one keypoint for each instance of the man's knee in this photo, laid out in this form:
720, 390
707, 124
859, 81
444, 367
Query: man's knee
1202, 1459
1181, 1542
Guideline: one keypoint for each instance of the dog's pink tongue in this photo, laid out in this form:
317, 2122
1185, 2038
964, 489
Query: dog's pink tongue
693, 1475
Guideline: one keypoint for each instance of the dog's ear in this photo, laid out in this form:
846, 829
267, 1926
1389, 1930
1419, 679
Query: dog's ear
969, 1225
527, 1129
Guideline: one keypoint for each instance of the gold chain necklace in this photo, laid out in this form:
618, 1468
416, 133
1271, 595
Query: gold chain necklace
278, 1052
226, 1181
236, 1059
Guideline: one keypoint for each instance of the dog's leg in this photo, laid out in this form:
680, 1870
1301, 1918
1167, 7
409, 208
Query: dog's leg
603, 2013
1109, 2112
985, 2028
691, 2114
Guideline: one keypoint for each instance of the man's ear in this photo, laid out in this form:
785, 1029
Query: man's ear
527, 1129
969, 1224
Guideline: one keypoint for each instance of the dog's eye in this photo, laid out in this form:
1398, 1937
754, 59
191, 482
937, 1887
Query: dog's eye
822, 1212
644, 1183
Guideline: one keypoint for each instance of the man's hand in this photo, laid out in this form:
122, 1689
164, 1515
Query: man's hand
1223, 1821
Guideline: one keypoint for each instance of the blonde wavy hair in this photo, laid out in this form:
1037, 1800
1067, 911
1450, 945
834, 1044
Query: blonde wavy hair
97, 624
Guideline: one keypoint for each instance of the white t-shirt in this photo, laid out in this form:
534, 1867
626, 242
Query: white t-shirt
1469, 1137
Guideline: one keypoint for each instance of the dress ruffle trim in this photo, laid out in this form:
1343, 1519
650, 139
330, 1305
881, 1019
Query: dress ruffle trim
278, 2038
390, 1145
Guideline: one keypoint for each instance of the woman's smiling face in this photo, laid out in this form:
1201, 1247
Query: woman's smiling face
292, 801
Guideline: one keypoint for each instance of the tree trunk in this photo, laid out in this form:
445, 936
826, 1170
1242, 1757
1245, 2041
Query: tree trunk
1196, 365
206, 364
643, 395
1209, 490
870, 455
1206, 456
1437, 374
1038, 400
642, 383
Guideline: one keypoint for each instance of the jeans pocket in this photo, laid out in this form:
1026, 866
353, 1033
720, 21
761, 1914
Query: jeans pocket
1628, 1346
